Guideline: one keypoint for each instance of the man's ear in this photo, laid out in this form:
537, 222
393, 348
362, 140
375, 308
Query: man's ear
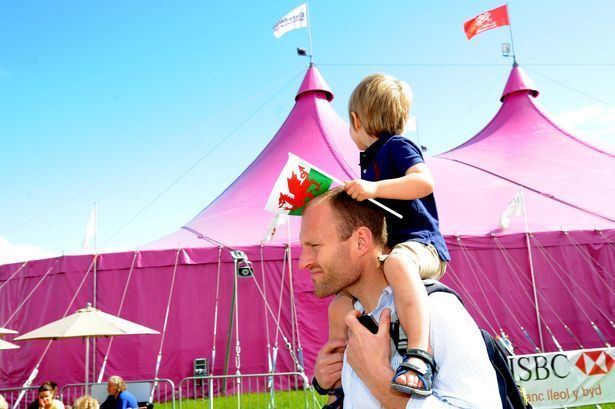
356, 121
364, 240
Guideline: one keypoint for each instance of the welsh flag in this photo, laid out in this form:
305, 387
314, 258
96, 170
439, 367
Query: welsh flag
298, 183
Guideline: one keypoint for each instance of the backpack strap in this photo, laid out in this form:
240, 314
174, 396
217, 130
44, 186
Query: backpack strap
400, 340
433, 286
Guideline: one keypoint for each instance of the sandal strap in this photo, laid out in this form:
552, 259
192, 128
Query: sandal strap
422, 355
408, 366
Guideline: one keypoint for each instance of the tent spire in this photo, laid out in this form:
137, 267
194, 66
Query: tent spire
313, 82
518, 81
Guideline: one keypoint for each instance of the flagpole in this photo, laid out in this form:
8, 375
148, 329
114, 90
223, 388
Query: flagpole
95, 291
512, 43
418, 137
309, 26
533, 276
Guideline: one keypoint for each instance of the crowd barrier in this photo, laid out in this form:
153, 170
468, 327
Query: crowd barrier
12, 394
158, 390
266, 390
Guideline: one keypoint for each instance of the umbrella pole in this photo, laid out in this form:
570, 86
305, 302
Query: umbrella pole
87, 360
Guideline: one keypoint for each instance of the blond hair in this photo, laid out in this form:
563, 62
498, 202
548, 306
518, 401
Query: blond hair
86, 402
119, 383
382, 103
3, 403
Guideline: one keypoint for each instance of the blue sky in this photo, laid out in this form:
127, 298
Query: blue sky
113, 102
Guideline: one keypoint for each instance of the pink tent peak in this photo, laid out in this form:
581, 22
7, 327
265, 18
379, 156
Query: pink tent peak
314, 82
314, 132
518, 81
522, 148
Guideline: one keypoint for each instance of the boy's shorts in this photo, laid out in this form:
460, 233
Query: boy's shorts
426, 257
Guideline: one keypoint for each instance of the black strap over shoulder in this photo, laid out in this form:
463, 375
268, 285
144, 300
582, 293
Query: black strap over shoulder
433, 286
397, 333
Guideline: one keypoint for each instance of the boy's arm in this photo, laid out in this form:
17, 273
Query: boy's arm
415, 184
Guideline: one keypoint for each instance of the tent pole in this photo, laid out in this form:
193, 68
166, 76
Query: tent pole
227, 354
87, 360
237, 345
94, 302
533, 276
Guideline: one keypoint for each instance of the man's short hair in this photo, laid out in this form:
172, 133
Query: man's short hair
382, 103
352, 214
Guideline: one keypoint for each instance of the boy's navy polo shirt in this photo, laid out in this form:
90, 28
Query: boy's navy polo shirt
389, 158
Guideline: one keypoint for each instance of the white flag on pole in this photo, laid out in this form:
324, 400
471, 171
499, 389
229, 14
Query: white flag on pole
296, 18
90, 230
514, 208
277, 221
411, 124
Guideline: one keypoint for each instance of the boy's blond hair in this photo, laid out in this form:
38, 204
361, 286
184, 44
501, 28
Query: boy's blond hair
382, 103
86, 402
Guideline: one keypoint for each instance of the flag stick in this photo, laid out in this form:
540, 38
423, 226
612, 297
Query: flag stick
309, 27
339, 182
512, 43
531, 262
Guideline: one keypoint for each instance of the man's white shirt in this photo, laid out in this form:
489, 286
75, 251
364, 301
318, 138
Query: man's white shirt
465, 377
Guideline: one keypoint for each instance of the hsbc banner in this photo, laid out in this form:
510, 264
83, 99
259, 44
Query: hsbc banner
569, 378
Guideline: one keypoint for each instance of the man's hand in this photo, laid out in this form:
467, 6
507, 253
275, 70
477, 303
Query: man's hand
361, 189
366, 351
370, 357
328, 366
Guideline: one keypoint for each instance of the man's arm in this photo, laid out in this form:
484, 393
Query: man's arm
369, 356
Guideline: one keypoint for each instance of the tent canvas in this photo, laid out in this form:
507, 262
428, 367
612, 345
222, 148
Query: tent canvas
571, 246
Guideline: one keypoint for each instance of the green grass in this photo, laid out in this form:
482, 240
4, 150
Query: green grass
284, 400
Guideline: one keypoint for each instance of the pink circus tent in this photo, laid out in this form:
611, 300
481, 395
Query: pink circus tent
550, 284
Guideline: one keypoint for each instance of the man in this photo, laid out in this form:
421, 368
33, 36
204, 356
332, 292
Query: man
341, 240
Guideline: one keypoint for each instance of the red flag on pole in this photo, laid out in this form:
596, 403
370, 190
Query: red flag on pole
486, 21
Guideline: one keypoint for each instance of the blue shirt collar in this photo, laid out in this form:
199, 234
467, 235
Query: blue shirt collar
369, 154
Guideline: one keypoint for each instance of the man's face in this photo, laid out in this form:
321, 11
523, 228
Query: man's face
329, 259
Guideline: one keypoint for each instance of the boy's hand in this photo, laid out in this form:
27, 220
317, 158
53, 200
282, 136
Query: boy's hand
361, 189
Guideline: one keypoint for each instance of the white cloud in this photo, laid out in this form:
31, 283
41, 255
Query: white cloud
15, 252
592, 123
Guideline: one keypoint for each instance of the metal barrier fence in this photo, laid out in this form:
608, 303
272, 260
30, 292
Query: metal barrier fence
160, 391
283, 390
12, 394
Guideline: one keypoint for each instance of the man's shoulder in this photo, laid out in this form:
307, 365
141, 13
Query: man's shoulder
445, 305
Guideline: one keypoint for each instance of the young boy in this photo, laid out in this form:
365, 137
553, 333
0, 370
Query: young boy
394, 172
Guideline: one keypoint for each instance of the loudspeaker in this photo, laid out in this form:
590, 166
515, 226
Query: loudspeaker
201, 367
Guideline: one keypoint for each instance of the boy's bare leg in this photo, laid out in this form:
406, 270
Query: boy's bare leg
411, 306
